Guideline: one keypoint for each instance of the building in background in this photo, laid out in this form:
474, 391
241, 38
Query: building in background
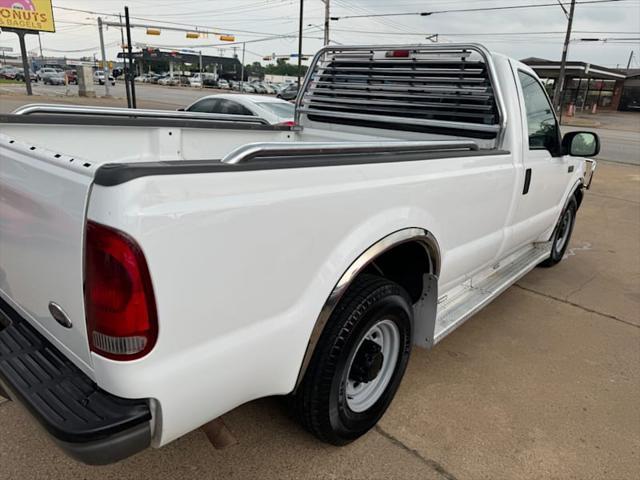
630, 100
586, 85
159, 61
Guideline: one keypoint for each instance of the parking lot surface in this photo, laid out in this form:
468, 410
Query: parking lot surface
544, 383
169, 97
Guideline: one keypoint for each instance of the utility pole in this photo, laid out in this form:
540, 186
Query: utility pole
300, 42
105, 67
130, 51
242, 68
557, 93
630, 58
327, 18
40, 45
201, 77
124, 64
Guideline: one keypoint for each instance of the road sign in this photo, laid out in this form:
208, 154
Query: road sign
35, 15
6, 49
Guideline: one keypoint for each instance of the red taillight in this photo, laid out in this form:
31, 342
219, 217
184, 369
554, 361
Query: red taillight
122, 323
288, 123
397, 53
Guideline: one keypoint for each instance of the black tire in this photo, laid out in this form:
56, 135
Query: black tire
562, 234
320, 402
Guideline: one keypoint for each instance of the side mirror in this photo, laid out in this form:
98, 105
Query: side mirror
581, 144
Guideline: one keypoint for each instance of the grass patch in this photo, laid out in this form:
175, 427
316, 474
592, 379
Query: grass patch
6, 80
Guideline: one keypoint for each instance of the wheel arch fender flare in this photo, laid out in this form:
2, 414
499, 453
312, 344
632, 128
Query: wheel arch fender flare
417, 235
574, 191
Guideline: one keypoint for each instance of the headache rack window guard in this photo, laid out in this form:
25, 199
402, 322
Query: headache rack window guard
436, 86
252, 151
44, 108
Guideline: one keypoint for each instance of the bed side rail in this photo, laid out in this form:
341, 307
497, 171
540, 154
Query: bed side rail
44, 108
275, 149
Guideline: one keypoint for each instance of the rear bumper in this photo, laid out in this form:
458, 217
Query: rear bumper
88, 423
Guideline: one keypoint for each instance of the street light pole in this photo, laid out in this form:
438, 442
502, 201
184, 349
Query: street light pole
557, 93
242, 68
300, 41
124, 64
105, 67
327, 17
630, 58
130, 51
201, 77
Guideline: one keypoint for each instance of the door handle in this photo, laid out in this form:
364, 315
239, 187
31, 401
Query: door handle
527, 181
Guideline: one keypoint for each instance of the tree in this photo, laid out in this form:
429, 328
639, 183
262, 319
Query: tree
255, 70
282, 67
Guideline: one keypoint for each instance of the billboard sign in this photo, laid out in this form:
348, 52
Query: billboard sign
35, 15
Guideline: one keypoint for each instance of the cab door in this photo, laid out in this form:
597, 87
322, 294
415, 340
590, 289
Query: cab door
546, 170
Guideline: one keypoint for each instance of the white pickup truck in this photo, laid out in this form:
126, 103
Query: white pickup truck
158, 269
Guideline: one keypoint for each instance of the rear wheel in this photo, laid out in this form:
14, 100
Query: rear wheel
358, 363
562, 234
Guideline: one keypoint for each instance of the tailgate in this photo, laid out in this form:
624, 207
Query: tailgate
43, 197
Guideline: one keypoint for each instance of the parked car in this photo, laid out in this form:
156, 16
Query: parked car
44, 72
196, 81
246, 88
19, 76
271, 88
99, 78
290, 92
9, 72
58, 78
72, 77
258, 87
169, 81
273, 110
223, 84
187, 265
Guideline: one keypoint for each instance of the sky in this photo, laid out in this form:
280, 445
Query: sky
519, 33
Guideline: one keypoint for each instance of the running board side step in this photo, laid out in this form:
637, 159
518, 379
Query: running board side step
464, 301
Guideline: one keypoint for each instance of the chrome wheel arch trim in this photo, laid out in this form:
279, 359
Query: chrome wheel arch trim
413, 234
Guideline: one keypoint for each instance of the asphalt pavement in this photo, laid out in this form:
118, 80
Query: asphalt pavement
162, 96
616, 145
544, 383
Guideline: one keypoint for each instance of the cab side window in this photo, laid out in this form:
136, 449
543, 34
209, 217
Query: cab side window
542, 126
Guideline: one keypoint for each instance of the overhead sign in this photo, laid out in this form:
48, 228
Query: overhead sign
27, 15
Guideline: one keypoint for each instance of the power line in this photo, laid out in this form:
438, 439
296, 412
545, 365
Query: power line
381, 21
79, 50
227, 44
473, 34
479, 9
194, 26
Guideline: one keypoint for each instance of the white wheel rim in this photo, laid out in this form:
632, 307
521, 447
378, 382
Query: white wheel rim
361, 396
563, 233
